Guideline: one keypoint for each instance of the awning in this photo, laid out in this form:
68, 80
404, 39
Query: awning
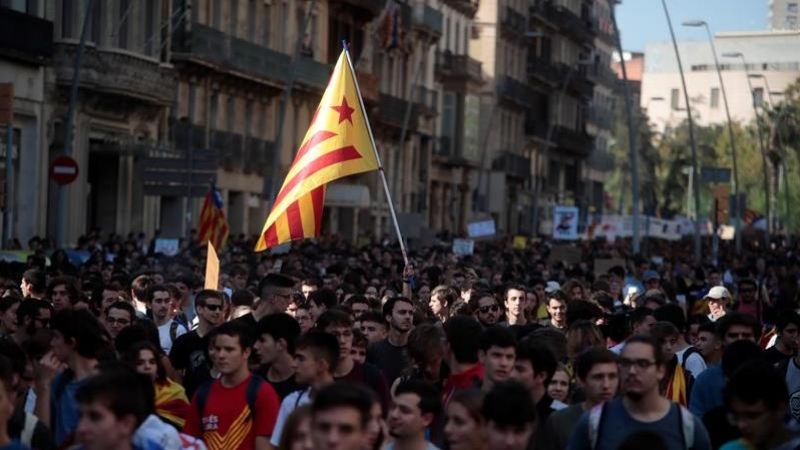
347, 195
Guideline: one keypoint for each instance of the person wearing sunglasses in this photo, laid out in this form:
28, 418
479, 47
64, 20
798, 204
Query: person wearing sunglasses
32, 315
189, 353
487, 311
748, 300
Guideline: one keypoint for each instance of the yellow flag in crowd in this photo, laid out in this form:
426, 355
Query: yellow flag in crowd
336, 145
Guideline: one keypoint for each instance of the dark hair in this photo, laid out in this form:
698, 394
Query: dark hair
235, 329
321, 345
15, 354
9, 301
738, 353
423, 341
202, 296
271, 281
757, 381
388, 307
36, 279
664, 330
464, 337
783, 320
242, 297
497, 336
557, 294
323, 297
6, 374
124, 306
333, 317
84, 330
280, 326
658, 354
131, 358
373, 316
345, 394
289, 434
121, 390
736, 318
509, 404
141, 285
639, 314
673, 314
591, 357
541, 357
360, 339
70, 283
429, 396
471, 400
311, 282
708, 327
156, 288
516, 287
140, 330
237, 270
358, 298
582, 310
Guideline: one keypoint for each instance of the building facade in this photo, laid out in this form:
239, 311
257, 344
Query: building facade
784, 14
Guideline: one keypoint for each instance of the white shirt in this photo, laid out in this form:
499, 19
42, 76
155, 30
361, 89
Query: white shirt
165, 338
292, 401
695, 363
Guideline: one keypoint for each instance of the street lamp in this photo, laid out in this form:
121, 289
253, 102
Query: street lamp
695, 168
764, 167
783, 175
738, 218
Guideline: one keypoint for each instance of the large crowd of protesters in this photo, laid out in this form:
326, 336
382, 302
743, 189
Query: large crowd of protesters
333, 346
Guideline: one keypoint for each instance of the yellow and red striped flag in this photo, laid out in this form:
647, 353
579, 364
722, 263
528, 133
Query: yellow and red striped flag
213, 224
337, 144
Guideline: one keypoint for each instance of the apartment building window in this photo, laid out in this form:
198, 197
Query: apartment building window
459, 50
216, 14
674, 98
447, 34
150, 39
267, 24
251, 21
715, 98
123, 22
67, 16
791, 7
466, 37
758, 96
96, 24
234, 18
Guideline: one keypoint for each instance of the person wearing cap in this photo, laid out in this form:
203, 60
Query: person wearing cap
718, 299
652, 281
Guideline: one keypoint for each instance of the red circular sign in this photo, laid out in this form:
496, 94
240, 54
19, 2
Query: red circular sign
63, 170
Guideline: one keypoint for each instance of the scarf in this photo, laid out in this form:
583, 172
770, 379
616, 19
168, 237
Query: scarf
677, 389
171, 402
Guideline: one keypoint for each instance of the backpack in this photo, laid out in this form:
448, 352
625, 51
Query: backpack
691, 350
26, 436
173, 330
596, 425
253, 386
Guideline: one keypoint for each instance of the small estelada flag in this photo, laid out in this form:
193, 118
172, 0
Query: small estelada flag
337, 144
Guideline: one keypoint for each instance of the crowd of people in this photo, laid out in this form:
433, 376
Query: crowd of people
329, 346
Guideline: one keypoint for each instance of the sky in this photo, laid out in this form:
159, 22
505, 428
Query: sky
643, 21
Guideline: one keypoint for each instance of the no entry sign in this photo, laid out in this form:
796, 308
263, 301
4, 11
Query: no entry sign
63, 170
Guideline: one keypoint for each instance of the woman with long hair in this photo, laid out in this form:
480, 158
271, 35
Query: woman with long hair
297, 430
465, 428
172, 405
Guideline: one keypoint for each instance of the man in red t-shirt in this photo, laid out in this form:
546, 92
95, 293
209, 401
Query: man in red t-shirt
220, 413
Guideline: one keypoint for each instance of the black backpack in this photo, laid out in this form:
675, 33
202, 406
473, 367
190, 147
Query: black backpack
253, 386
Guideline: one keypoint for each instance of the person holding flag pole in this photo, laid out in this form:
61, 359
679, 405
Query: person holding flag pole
339, 143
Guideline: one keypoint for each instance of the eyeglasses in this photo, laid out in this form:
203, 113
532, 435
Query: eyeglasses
114, 321
641, 364
214, 307
486, 309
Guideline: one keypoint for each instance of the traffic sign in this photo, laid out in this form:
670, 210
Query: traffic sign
63, 170
715, 174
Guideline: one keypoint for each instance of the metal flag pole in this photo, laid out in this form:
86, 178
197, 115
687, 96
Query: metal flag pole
377, 156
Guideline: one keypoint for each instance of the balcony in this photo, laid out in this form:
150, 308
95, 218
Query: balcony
535, 126
392, 111
579, 143
571, 24
605, 32
514, 92
117, 72
207, 45
514, 165
312, 73
363, 9
544, 70
458, 67
601, 117
428, 20
25, 38
579, 82
257, 156
187, 171
602, 160
427, 100
513, 23
604, 76
466, 7
543, 11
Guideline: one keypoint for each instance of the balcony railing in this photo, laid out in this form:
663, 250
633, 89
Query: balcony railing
365, 8
543, 69
428, 19
392, 111
515, 92
449, 64
579, 82
601, 117
513, 22
443, 148
312, 73
513, 164
535, 126
577, 142
573, 25
25, 37
543, 10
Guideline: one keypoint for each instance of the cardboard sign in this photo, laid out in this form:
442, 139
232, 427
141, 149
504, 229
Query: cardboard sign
212, 268
565, 223
520, 242
463, 247
481, 229
168, 247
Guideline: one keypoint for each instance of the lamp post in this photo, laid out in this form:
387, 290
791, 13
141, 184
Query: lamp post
738, 218
782, 174
765, 170
695, 166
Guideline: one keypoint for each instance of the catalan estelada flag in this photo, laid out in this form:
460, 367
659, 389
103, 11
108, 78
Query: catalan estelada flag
337, 144
213, 224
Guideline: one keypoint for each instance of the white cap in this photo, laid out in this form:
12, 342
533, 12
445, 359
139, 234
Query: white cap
552, 286
718, 292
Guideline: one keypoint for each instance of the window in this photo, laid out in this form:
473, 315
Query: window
96, 23
234, 19
251, 21
216, 13
715, 98
151, 40
67, 16
674, 98
122, 23
758, 96
267, 24
791, 7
